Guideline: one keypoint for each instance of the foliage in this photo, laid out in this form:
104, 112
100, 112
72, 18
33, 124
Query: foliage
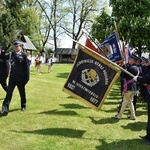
30, 24
14, 7
56, 121
7, 29
133, 20
102, 27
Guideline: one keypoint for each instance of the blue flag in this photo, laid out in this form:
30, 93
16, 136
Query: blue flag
111, 48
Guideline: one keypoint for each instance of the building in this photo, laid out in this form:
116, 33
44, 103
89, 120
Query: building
65, 55
27, 44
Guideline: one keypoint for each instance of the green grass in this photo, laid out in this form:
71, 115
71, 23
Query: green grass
56, 121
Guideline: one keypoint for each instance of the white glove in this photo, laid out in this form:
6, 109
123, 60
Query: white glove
135, 78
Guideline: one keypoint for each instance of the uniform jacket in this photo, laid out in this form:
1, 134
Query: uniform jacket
19, 67
4, 69
133, 69
145, 79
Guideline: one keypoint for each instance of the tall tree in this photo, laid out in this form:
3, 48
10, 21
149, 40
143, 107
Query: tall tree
29, 24
14, 7
7, 28
133, 21
52, 14
80, 16
102, 26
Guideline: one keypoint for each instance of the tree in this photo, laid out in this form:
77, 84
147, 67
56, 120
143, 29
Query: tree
133, 21
7, 29
52, 14
14, 7
80, 15
29, 24
102, 26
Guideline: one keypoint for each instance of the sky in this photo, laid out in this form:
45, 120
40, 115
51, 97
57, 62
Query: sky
66, 41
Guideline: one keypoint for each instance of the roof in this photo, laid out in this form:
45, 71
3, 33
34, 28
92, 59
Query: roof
28, 44
66, 51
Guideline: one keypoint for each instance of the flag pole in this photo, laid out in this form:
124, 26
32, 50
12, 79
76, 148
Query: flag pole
117, 33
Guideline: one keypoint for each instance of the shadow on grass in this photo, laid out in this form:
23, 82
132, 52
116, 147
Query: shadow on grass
62, 75
65, 132
122, 144
12, 110
104, 121
56, 112
135, 126
73, 106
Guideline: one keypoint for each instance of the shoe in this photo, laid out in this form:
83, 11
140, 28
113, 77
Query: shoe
147, 142
116, 117
132, 118
143, 137
4, 113
23, 109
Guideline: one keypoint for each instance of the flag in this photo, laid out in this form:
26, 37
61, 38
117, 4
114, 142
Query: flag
127, 52
111, 48
90, 45
91, 78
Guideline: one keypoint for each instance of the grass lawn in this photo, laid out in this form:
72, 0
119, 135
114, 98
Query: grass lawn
56, 121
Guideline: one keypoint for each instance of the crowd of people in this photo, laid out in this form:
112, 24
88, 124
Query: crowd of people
17, 64
133, 87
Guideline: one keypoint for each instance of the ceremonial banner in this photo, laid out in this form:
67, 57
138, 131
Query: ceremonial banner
91, 78
111, 48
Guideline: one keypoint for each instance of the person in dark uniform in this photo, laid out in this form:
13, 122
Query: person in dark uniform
19, 75
145, 79
129, 88
4, 71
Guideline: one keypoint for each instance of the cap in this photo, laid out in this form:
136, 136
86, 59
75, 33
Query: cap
144, 59
134, 57
17, 43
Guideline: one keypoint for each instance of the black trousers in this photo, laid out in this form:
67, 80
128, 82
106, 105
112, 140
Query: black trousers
4, 84
11, 86
148, 122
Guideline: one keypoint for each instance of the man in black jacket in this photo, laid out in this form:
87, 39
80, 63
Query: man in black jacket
19, 75
145, 80
4, 71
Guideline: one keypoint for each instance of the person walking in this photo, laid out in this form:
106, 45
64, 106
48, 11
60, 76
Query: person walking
50, 64
129, 88
145, 80
19, 76
4, 71
38, 63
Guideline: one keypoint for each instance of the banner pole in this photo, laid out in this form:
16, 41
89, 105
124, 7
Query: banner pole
117, 33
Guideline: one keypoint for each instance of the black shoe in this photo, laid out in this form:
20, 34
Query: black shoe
23, 109
4, 113
147, 142
143, 137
